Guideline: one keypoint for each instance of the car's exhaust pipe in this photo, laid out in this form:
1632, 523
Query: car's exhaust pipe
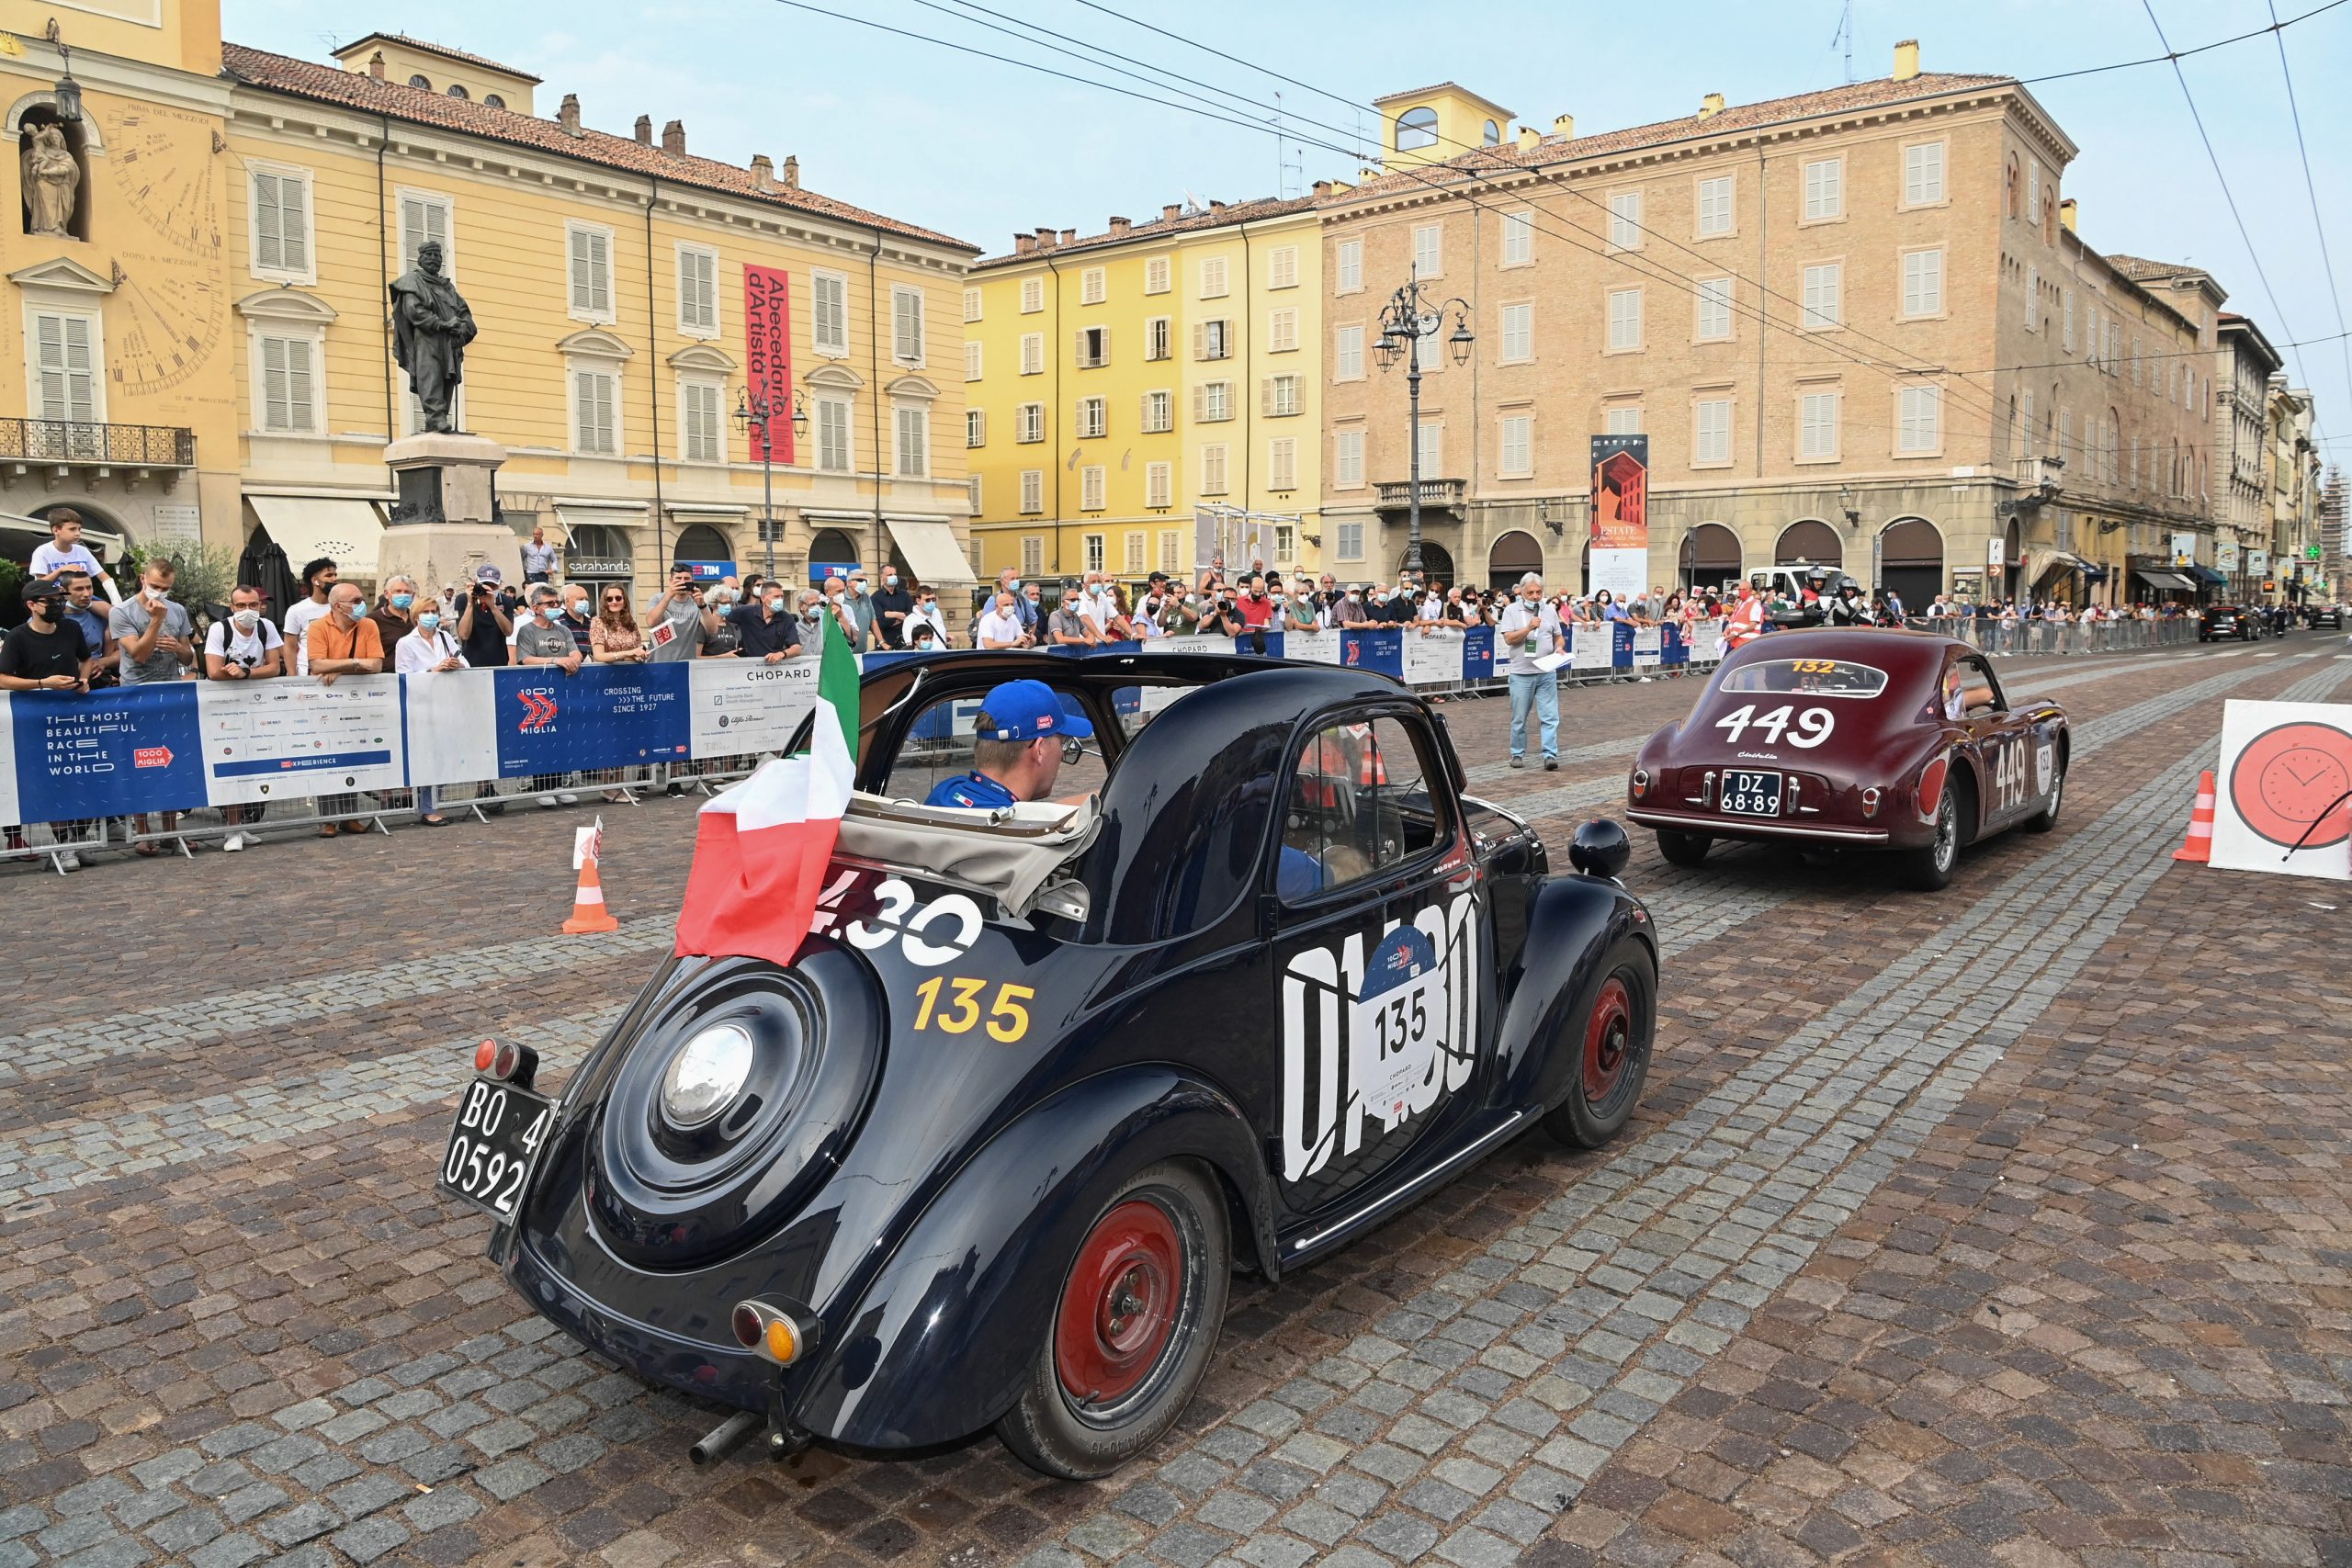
727, 1435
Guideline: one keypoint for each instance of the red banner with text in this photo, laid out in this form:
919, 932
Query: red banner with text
767, 357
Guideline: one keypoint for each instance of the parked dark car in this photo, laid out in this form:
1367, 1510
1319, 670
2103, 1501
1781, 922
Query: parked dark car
2328, 616
1875, 739
2228, 623
987, 1151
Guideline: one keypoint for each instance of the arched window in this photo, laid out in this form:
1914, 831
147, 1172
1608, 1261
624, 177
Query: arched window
493, 100
1809, 541
1416, 128
701, 542
457, 90
1494, 134
2015, 201
421, 80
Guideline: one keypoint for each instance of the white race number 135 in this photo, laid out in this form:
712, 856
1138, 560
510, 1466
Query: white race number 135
1811, 728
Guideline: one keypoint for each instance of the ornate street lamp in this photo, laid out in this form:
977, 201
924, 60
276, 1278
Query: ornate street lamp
1410, 317
755, 409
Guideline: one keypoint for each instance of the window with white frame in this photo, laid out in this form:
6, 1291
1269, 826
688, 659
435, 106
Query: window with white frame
1212, 401
1285, 542
2032, 298
1710, 431
1714, 206
973, 361
1029, 424
1033, 545
1920, 420
976, 427
906, 325
1428, 250
289, 381
1158, 484
1213, 468
1624, 320
1281, 330
972, 304
1171, 541
596, 411
1518, 334
1135, 552
1817, 425
1158, 411
1519, 238
1279, 396
914, 441
2026, 438
829, 313
1517, 458
1347, 266
425, 217
281, 208
1155, 275
1350, 545
1623, 419
2032, 191
834, 452
1625, 220
697, 291
1824, 190
972, 494
1347, 352
1923, 174
591, 247
1093, 418
1032, 499
1712, 298
1212, 278
701, 421
1093, 285
1282, 463
1212, 339
1281, 268
1155, 337
1346, 458
1823, 296
1033, 296
1432, 448
1033, 353
1923, 283
1093, 486
2066, 319
1093, 347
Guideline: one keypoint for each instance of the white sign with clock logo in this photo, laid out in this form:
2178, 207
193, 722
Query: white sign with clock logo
2284, 796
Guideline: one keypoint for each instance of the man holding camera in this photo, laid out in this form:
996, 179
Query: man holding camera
484, 628
245, 646
677, 623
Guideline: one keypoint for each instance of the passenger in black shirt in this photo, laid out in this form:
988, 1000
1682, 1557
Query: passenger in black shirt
891, 608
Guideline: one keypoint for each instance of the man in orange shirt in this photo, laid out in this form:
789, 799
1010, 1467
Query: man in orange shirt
344, 641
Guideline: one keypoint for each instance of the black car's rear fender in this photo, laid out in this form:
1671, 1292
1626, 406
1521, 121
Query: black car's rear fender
938, 1346
1575, 932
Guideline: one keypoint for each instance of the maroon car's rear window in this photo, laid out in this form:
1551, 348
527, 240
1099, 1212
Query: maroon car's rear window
1810, 677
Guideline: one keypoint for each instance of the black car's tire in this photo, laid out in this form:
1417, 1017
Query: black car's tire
1683, 849
1928, 868
1140, 1307
1612, 1042
2047, 818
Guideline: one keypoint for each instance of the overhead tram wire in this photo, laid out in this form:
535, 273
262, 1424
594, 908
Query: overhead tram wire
2311, 190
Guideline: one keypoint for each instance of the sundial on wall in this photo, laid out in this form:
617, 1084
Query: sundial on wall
172, 305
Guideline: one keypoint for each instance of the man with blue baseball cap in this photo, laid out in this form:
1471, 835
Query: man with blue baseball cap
1017, 748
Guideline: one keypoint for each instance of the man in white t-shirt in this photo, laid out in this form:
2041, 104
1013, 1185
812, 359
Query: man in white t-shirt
245, 646
319, 580
1530, 629
1001, 627
65, 551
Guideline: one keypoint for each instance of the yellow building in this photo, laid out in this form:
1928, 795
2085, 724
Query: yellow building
1125, 388
244, 211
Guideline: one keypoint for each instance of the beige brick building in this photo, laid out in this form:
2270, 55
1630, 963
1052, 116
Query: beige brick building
1857, 325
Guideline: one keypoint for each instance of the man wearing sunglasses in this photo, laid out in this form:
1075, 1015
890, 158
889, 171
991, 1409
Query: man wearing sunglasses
1022, 736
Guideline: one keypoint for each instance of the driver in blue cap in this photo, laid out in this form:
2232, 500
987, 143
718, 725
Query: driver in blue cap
1017, 748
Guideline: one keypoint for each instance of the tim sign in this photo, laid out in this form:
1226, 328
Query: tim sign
767, 356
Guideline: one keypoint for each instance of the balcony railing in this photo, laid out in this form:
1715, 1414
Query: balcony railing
82, 441
1442, 494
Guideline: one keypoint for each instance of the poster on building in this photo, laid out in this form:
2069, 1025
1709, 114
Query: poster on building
1993, 559
131, 749
767, 357
1621, 515
2225, 554
607, 715
2283, 795
2257, 562
2184, 549
293, 739
743, 707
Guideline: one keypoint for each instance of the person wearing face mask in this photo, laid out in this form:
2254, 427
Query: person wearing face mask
1070, 625
1000, 627
1364, 609
926, 612
1303, 610
891, 607
428, 650
677, 623
394, 611
1180, 612
542, 638
46, 656
1529, 631
318, 581
577, 618
344, 642
1143, 621
771, 632
1032, 610
83, 611
857, 611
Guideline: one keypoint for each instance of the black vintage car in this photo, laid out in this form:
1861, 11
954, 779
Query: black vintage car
2226, 623
987, 1152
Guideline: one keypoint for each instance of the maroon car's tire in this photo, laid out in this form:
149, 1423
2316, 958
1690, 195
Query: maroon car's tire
2047, 818
1613, 1044
1133, 1330
1928, 868
1683, 849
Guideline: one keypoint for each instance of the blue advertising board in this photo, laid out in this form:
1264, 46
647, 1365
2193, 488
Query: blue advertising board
608, 716
1380, 652
1478, 653
129, 749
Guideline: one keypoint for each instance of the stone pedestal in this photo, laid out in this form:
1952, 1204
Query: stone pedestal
444, 524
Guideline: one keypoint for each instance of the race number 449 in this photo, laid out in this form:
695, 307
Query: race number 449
1811, 728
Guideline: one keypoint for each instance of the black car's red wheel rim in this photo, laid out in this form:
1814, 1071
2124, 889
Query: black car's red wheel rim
1120, 1306
1608, 1044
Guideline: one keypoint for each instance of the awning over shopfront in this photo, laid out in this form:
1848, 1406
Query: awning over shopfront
2164, 582
341, 528
2208, 576
2049, 561
929, 544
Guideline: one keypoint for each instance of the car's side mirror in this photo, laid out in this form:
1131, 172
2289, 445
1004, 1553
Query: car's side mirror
1601, 849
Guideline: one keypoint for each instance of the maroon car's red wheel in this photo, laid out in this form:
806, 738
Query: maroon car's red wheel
1119, 1307
1608, 1042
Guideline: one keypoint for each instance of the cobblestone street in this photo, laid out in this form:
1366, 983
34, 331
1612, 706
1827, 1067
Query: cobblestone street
2009, 1225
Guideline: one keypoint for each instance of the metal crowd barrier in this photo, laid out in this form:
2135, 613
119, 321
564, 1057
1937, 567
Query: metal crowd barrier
2039, 638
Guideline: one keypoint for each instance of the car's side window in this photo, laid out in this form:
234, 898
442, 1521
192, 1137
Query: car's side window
938, 745
1359, 803
1979, 693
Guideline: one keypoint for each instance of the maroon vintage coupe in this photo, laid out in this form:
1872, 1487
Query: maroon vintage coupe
1852, 739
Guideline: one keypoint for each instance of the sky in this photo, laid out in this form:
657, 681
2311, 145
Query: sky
978, 148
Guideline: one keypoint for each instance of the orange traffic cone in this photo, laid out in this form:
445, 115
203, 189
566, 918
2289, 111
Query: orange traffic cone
588, 911
2199, 846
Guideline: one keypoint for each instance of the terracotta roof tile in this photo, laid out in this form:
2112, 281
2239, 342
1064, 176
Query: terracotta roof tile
1160, 228
414, 106
444, 50
2141, 267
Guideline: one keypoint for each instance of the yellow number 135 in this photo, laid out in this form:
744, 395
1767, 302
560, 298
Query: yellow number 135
1008, 1021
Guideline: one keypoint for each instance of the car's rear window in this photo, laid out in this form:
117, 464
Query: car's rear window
1811, 677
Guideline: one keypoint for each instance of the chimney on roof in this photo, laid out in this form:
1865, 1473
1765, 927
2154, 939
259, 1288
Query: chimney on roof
1528, 137
1025, 244
1322, 188
673, 136
1069, 236
763, 173
1340, 187
1045, 239
2066, 213
1168, 214
1120, 226
568, 117
376, 65
1216, 206
792, 171
645, 130
1906, 60
1565, 126
1711, 106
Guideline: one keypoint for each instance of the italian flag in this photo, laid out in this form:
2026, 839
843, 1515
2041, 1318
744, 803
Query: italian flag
761, 848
